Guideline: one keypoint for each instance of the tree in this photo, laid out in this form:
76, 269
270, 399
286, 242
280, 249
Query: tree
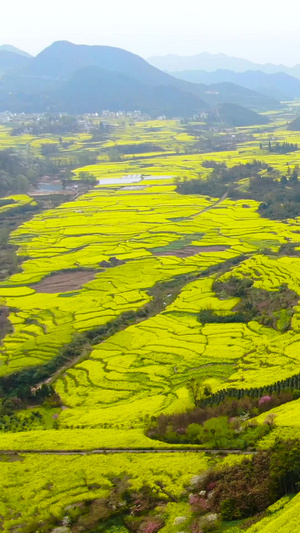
114, 155
87, 177
199, 390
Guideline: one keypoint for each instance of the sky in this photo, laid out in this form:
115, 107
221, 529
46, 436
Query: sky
259, 30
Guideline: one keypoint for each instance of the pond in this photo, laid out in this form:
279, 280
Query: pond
131, 178
50, 187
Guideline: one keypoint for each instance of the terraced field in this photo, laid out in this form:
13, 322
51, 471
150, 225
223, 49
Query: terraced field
147, 253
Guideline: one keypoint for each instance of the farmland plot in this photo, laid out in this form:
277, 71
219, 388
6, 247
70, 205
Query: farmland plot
110, 252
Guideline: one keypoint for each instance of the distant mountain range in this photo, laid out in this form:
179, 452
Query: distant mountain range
279, 86
212, 62
78, 78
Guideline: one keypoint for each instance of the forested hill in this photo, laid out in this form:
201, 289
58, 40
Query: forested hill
93, 89
116, 80
234, 115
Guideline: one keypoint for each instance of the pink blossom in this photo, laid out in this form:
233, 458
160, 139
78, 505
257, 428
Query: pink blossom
211, 486
264, 399
198, 503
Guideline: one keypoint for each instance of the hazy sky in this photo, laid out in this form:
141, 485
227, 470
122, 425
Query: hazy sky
260, 30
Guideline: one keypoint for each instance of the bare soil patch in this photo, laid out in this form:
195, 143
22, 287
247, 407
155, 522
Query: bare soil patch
70, 280
187, 251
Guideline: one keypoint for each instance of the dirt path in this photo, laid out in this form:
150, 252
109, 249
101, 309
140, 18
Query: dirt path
211, 206
109, 451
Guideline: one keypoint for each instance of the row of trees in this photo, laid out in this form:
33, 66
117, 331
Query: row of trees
280, 148
291, 384
225, 425
219, 433
13, 423
55, 124
57, 158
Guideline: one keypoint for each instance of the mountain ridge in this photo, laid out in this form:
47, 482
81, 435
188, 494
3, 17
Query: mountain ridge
280, 85
50, 80
211, 62
14, 50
